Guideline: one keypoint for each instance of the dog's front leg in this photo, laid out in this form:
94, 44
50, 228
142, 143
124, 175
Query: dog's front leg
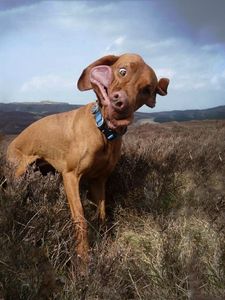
97, 194
71, 184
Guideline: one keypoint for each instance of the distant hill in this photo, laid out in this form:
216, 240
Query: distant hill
215, 113
43, 107
16, 116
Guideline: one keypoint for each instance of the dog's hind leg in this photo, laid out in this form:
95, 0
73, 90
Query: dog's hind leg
97, 195
20, 160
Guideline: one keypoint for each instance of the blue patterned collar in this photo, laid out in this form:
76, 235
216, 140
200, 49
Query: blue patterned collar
102, 126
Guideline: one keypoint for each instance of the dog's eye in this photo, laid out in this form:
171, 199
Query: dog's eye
122, 72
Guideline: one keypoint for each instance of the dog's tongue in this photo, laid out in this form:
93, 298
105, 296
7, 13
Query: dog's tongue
103, 74
102, 77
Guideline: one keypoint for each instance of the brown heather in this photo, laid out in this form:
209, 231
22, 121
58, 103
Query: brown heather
165, 233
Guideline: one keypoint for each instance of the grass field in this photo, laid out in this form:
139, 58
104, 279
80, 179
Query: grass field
165, 232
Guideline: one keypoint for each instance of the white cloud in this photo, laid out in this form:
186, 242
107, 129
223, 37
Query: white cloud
191, 68
50, 81
119, 41
116, 45
218, 81
164, 72
164, 43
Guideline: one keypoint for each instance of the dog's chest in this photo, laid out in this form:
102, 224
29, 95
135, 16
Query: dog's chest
102, 161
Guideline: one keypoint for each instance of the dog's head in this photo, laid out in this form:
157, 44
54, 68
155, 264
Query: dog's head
122, 84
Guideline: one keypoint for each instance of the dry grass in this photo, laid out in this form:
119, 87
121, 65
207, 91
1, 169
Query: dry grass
165, 235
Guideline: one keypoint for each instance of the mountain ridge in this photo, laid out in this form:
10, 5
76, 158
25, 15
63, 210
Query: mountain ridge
15, 116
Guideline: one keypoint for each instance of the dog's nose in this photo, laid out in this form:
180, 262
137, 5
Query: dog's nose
119, 100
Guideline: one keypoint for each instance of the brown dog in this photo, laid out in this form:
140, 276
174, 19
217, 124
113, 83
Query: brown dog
86, 142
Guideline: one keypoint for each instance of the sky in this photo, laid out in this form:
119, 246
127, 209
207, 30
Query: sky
45, 45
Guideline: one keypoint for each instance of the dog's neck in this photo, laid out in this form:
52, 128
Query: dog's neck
102, 124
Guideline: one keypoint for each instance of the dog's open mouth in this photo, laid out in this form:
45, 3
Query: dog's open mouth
101, 76
115, 119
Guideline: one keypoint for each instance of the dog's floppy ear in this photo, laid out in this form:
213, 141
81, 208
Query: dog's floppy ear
162, 86
84, 83
161, 89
